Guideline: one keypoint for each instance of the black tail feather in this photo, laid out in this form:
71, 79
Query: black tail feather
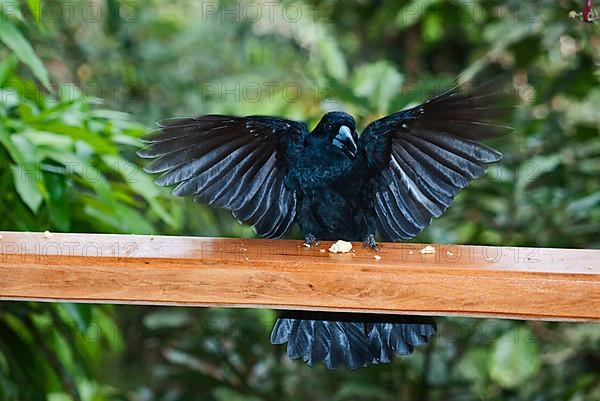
351, 339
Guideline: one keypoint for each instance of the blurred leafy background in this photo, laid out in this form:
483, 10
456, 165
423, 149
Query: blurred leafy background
81, 81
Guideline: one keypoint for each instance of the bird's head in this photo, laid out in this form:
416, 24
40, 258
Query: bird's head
339, 130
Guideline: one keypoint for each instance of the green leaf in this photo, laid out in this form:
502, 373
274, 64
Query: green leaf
116, 217
58, 200
5, 140
473, 365
27, 175
413, 12
379, 82
3, 364
141, 183
166, 319
7, 68
10, 8
515, 358
584, 206
333, 58
59, 397
79, 313
88, 173
77, 132
26, 185
15, 41
535, 167
35, 8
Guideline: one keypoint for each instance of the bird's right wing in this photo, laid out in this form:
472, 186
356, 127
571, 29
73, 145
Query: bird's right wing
422, 157
237, 163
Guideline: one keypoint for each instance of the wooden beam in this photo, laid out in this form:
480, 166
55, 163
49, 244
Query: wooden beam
480, 281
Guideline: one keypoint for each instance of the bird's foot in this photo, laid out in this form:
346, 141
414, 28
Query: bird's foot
310, 240
371, 243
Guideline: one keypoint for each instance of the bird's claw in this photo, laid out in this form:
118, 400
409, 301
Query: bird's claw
371, 243
310, 240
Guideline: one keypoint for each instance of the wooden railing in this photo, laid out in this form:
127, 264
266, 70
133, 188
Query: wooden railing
499, 282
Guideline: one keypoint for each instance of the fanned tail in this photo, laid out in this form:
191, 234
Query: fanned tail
353, 340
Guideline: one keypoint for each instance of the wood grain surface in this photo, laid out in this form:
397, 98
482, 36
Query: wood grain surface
480, 281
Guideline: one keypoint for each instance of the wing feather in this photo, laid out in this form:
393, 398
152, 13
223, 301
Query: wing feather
422, 157
237, 163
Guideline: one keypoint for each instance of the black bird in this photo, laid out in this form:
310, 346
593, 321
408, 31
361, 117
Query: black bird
270, 172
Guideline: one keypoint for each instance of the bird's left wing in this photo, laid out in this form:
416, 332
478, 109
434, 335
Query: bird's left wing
422, 157
237, 163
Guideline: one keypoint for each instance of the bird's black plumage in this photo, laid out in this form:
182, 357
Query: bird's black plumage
404, 170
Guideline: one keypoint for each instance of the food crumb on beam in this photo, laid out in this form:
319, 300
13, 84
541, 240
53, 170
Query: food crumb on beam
377, 257
341, 247
47, 234
427, 250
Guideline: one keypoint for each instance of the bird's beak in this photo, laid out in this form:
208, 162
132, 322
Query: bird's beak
344, 141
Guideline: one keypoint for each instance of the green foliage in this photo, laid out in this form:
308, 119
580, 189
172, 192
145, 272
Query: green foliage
65, 160
54, 350
515, 358
12, 37
63, 167
67, 164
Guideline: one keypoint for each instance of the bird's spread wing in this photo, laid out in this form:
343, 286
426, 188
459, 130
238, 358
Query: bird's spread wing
422, 157
237, 163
